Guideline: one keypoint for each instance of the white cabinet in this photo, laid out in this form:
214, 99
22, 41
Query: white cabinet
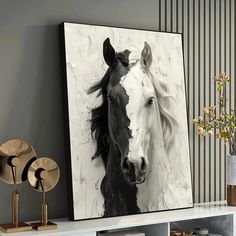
218, 224
216, 215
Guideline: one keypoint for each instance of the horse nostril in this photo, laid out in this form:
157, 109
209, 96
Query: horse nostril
143, 166
126, 165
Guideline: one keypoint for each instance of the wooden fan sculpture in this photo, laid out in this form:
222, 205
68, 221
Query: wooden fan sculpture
43, 176
15, 158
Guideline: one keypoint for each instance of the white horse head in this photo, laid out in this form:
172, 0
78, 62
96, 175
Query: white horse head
148, 98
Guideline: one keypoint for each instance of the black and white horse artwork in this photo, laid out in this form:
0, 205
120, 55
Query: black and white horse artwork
128, 131
124, 125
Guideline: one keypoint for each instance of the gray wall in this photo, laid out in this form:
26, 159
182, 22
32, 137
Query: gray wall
30, 84
209, 44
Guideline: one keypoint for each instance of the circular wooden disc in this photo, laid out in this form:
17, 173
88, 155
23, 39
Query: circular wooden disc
15, 155
43, 174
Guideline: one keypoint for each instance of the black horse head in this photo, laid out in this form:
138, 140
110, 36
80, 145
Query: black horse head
109, 125
109, 121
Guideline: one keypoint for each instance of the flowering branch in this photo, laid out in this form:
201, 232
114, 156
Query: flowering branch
224, 123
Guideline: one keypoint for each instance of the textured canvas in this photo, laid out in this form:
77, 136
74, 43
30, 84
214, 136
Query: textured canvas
129, 148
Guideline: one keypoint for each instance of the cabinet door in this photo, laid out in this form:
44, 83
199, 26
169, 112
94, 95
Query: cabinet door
224, 224
156, 230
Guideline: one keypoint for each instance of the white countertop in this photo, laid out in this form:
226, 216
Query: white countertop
202, 210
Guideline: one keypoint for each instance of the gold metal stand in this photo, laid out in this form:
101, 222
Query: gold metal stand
15, 226
44, 224
10, 228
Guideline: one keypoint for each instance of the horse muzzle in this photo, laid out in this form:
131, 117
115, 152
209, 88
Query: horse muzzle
134, 172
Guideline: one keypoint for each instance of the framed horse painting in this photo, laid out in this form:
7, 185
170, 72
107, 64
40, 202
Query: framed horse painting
128, 148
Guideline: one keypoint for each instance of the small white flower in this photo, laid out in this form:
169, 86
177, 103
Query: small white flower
206, 110
200, 118
210, 133
200, 130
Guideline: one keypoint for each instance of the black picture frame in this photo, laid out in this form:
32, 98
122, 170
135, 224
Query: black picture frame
66, 123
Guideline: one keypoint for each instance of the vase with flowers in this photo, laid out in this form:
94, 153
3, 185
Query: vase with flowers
220, 120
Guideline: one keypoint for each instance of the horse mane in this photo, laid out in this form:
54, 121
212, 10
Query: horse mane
99, 120
165, 101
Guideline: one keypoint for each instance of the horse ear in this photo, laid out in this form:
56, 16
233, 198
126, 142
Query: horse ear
146, 56
108, 52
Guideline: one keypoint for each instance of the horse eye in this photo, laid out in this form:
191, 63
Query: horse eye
150, 102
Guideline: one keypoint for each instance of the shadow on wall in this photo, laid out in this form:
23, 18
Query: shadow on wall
34, 113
